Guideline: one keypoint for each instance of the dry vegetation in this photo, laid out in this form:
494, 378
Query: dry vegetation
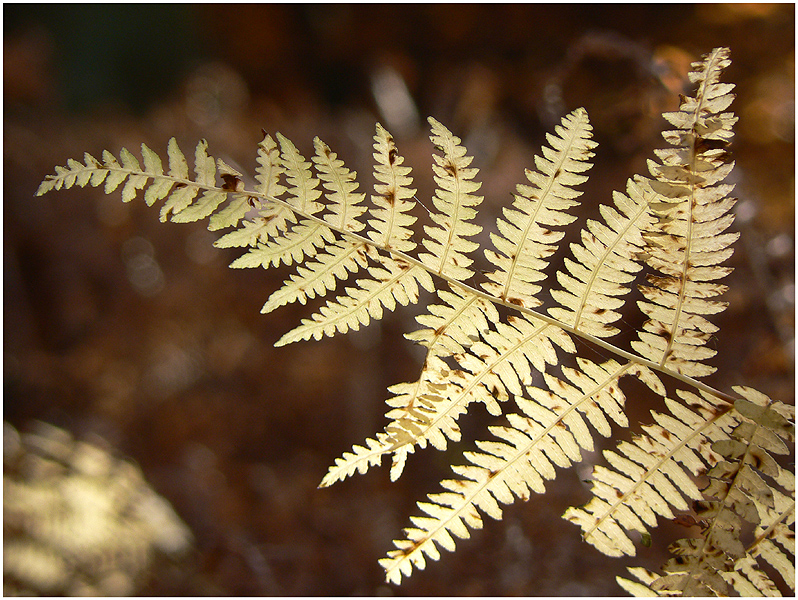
119, 326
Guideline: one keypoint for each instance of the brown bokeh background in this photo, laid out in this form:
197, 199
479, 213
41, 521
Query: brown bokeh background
117, 325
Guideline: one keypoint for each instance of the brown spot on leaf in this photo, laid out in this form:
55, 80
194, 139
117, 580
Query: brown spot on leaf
232, 183
392, 153
516, 301
703, 144
390, 196
450, 168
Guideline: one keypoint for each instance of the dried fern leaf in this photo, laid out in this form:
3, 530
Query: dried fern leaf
524, 241
360, 459
447, 243
550, 432
606, 264
392, 283
272, 218
744, 486
652, 474
686, 244
674, 223
239, 204
343, 202
391, 223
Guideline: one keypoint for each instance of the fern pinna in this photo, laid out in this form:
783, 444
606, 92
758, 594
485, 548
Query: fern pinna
709, 452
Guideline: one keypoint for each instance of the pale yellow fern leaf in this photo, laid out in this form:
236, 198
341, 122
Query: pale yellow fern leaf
447, 242
652, 473
359, 459
391, 222
687, 244
549, 433
179, 191
343, 202
524, 240
391, 283
272, 218
606, 265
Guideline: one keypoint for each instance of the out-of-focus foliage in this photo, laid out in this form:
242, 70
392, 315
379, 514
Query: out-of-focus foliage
79, 521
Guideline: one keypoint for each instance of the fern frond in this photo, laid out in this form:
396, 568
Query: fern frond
394, 282
391, 222
686, 245
272, 218
524, 240
740, 491
447, 244
341, 183
673, 223
652, 473
550, 432
606, 264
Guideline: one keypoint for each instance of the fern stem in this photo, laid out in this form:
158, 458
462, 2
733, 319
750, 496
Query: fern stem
528, 311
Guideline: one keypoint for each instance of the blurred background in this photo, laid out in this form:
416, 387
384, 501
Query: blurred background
121, 328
